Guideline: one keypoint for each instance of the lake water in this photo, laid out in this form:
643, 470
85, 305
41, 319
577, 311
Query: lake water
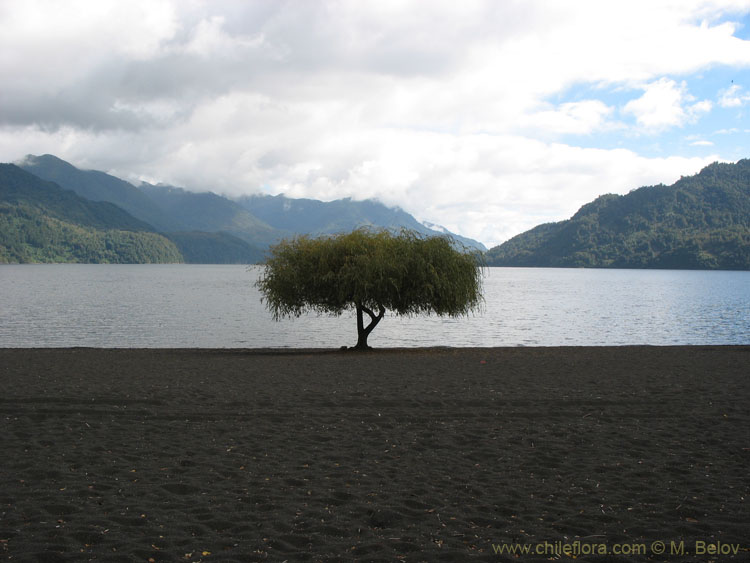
158, 306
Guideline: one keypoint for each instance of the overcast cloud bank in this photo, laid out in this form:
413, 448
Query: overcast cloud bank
485, 117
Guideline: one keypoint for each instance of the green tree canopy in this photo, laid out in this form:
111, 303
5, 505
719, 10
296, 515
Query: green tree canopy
369, 272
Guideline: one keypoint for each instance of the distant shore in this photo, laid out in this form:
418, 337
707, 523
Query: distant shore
440, 454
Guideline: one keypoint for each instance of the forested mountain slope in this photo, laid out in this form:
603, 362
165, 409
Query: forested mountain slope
700, 222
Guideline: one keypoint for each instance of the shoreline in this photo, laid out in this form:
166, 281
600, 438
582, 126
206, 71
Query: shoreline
415, 454
375, 349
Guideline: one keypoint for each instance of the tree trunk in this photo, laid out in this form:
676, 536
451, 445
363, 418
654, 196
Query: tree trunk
364, 331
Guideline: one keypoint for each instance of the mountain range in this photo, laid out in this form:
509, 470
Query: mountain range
316, 217
41, 222
699, 222
202, 227
51, 211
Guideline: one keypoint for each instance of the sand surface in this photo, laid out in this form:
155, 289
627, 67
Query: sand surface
392, 455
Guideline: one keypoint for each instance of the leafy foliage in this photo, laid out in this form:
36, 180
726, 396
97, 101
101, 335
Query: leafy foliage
370, 270
701, 222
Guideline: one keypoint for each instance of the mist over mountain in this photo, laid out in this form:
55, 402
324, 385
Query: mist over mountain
699, 222
311, 216
20, 187
209, 227
258, 220
208, 212
99, 186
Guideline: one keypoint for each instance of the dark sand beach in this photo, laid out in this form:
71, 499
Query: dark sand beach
390, 455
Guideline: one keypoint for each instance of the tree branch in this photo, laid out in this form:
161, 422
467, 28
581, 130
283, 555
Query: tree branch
374, 318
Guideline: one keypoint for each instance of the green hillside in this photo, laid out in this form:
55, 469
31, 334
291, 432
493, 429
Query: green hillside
214, 248
212, 213
41, 222
700, 222
27, 235
259, 221
99, 186
102, 192
20, 187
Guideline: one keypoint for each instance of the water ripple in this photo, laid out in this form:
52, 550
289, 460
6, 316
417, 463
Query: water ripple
217, 306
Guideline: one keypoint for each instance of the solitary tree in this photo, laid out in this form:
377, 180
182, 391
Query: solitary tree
369, 272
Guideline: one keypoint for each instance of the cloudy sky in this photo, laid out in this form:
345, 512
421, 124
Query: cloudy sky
487, 117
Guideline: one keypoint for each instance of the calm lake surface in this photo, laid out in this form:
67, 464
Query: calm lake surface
159, 306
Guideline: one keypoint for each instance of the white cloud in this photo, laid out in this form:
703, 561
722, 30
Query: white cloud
733, 97
665, 104
453, 110
577, 118
46, 36
209, 38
